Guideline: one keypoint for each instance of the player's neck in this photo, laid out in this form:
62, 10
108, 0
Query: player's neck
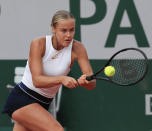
56, 44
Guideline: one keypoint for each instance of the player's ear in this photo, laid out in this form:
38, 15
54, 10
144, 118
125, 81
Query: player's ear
53, 29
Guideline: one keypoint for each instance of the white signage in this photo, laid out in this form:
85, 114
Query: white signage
103, 26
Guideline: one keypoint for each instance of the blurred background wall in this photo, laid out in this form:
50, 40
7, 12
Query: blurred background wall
104, 27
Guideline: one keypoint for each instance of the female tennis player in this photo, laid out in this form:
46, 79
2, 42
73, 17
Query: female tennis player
49, 62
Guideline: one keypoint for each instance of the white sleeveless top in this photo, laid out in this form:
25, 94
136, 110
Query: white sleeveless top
55, 63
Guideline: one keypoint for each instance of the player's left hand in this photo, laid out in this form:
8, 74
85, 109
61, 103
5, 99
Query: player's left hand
86, 84
82, 81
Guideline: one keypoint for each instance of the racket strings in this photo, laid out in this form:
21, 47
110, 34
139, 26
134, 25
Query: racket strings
130, 67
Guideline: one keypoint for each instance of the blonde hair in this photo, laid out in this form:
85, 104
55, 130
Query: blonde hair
61, 15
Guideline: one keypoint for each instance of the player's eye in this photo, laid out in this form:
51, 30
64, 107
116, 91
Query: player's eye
63, 30
72, 30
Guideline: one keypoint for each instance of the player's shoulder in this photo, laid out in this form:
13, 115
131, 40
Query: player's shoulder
76, 42
78, 49
38, 44
78, 46
39, 40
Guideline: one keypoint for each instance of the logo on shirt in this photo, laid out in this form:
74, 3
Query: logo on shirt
56, 55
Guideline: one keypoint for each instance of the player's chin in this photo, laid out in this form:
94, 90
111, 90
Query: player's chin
66, 43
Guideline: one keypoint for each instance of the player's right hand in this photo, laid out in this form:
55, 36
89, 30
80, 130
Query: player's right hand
69, 82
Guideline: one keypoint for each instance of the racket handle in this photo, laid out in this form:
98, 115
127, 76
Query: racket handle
89, 78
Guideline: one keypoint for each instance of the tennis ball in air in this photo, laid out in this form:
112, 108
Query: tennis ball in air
109, 71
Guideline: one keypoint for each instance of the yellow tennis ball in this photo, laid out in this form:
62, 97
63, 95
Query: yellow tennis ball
109, 71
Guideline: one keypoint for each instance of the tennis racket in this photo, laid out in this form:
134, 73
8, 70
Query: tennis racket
131, 67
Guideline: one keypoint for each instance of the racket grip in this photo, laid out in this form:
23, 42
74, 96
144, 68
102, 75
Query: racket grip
89, 78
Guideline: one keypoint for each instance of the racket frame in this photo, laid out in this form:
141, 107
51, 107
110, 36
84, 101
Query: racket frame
94, 76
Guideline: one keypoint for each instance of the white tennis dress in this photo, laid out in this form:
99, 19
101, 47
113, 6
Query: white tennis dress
55, 63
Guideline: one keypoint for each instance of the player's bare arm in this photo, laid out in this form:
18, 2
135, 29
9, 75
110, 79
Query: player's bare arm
82, 58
